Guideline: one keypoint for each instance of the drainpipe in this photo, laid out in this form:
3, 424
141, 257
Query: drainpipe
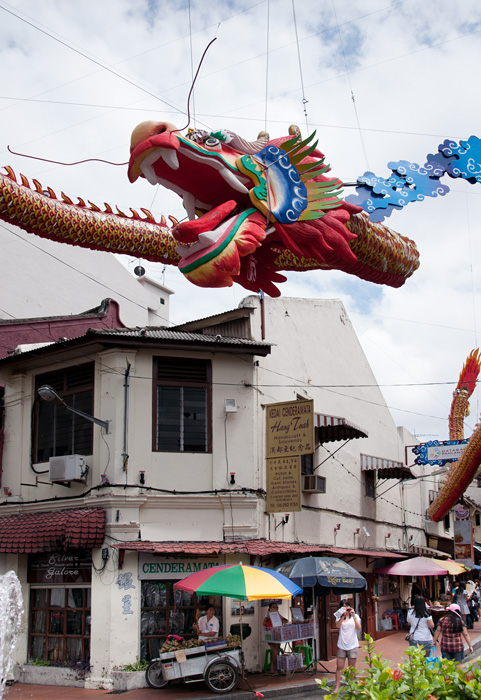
125, 453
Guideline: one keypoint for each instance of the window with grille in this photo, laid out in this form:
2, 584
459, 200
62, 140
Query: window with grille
307, 464
370, 483
182, 397
56, 430
59, 625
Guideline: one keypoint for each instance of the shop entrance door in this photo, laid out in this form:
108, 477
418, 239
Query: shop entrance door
328, 632
368, 608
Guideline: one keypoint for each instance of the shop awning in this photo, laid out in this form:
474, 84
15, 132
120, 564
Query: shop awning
386, 468
260, 548
332, 428
429, 551
54, 531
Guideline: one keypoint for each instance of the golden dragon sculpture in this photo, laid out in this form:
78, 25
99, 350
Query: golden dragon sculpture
464, 470
255, 209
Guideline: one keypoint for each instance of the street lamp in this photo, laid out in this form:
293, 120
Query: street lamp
47, 393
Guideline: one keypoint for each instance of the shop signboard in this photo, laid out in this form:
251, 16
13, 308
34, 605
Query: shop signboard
463, 543
60, 567
283, 485
439, 452
161, 568
289, 428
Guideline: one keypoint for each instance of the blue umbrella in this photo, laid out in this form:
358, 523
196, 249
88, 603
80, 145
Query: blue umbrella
328, 573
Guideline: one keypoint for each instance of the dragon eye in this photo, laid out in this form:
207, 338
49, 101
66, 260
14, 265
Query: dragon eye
212, 142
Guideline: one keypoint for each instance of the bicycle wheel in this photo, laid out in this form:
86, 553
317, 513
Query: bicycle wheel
153, 675
221, 677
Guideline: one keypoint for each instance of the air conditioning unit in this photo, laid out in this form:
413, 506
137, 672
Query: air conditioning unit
311, 483
68, 468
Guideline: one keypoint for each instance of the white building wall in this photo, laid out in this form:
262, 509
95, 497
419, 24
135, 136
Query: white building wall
316, 355
45, 278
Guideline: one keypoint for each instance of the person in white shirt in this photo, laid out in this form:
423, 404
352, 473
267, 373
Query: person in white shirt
421, 625
208, 625
347, 644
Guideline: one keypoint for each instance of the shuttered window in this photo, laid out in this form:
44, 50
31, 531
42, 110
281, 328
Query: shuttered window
182, 390
57, 431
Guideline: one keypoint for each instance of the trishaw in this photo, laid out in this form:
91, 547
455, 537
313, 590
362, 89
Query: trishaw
218, 668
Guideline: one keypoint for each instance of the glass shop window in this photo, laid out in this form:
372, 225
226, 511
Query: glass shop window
159, 616
59, 630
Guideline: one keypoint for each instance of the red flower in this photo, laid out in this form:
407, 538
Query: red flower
397, 674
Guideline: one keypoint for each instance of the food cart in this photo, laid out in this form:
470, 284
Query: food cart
216, 664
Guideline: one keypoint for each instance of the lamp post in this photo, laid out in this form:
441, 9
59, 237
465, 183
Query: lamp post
47, 393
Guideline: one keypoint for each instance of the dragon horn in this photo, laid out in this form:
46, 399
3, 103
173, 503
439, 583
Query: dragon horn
470, 372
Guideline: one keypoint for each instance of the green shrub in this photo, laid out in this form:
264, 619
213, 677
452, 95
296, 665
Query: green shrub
413, 679
139, 665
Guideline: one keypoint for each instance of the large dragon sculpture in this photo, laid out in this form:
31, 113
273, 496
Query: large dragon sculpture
464, 470
255, 209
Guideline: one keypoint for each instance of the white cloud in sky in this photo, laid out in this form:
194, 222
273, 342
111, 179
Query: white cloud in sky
411, 68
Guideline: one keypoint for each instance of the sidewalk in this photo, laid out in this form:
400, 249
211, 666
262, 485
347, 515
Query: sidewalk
391, 648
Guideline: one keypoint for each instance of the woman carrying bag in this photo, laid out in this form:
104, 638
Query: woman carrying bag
421, 625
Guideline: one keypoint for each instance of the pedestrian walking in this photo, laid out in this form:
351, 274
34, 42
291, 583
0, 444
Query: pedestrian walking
347, 644
452, 630
421, 625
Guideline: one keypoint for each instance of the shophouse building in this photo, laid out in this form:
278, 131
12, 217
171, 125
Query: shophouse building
100, 521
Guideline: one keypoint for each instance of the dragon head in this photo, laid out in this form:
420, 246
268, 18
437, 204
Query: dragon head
242, 193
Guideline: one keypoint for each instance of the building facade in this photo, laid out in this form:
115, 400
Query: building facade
99, 521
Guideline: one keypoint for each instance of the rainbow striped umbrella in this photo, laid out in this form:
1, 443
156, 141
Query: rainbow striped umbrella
239, 581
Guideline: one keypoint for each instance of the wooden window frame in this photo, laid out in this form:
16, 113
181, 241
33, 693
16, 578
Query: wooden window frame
61, 382
179, 382
50, 610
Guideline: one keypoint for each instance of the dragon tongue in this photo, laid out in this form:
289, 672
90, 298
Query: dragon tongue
189, 231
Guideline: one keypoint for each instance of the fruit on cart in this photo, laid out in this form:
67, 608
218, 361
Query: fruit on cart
233, 640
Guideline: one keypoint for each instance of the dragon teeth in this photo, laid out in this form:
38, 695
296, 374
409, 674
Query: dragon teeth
189, 204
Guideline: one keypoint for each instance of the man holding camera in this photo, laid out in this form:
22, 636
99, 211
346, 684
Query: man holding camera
348, 624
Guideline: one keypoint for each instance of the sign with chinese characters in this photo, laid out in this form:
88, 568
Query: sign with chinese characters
290, 428
283, 484
151, 567
438, 452
463, 543
60, 567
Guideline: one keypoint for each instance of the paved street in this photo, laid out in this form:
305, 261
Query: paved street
299, 686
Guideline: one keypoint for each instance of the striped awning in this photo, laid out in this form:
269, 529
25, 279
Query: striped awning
332, 428
385, 468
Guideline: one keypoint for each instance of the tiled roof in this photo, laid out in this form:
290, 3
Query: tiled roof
253, 547
57, 530
158, 333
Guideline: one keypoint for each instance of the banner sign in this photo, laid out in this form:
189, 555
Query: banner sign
152, 567
60, 567
283, 484
290, 428
438, 452
463, 543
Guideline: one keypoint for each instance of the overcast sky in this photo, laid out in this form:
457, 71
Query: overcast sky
378, 80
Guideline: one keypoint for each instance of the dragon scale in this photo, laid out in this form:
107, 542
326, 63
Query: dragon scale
382, 255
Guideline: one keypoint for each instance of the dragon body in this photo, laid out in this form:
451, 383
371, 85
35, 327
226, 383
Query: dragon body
464, 470
255, 210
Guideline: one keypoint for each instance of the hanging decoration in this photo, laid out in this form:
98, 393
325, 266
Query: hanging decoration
464, 470
255, 209
410, 182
